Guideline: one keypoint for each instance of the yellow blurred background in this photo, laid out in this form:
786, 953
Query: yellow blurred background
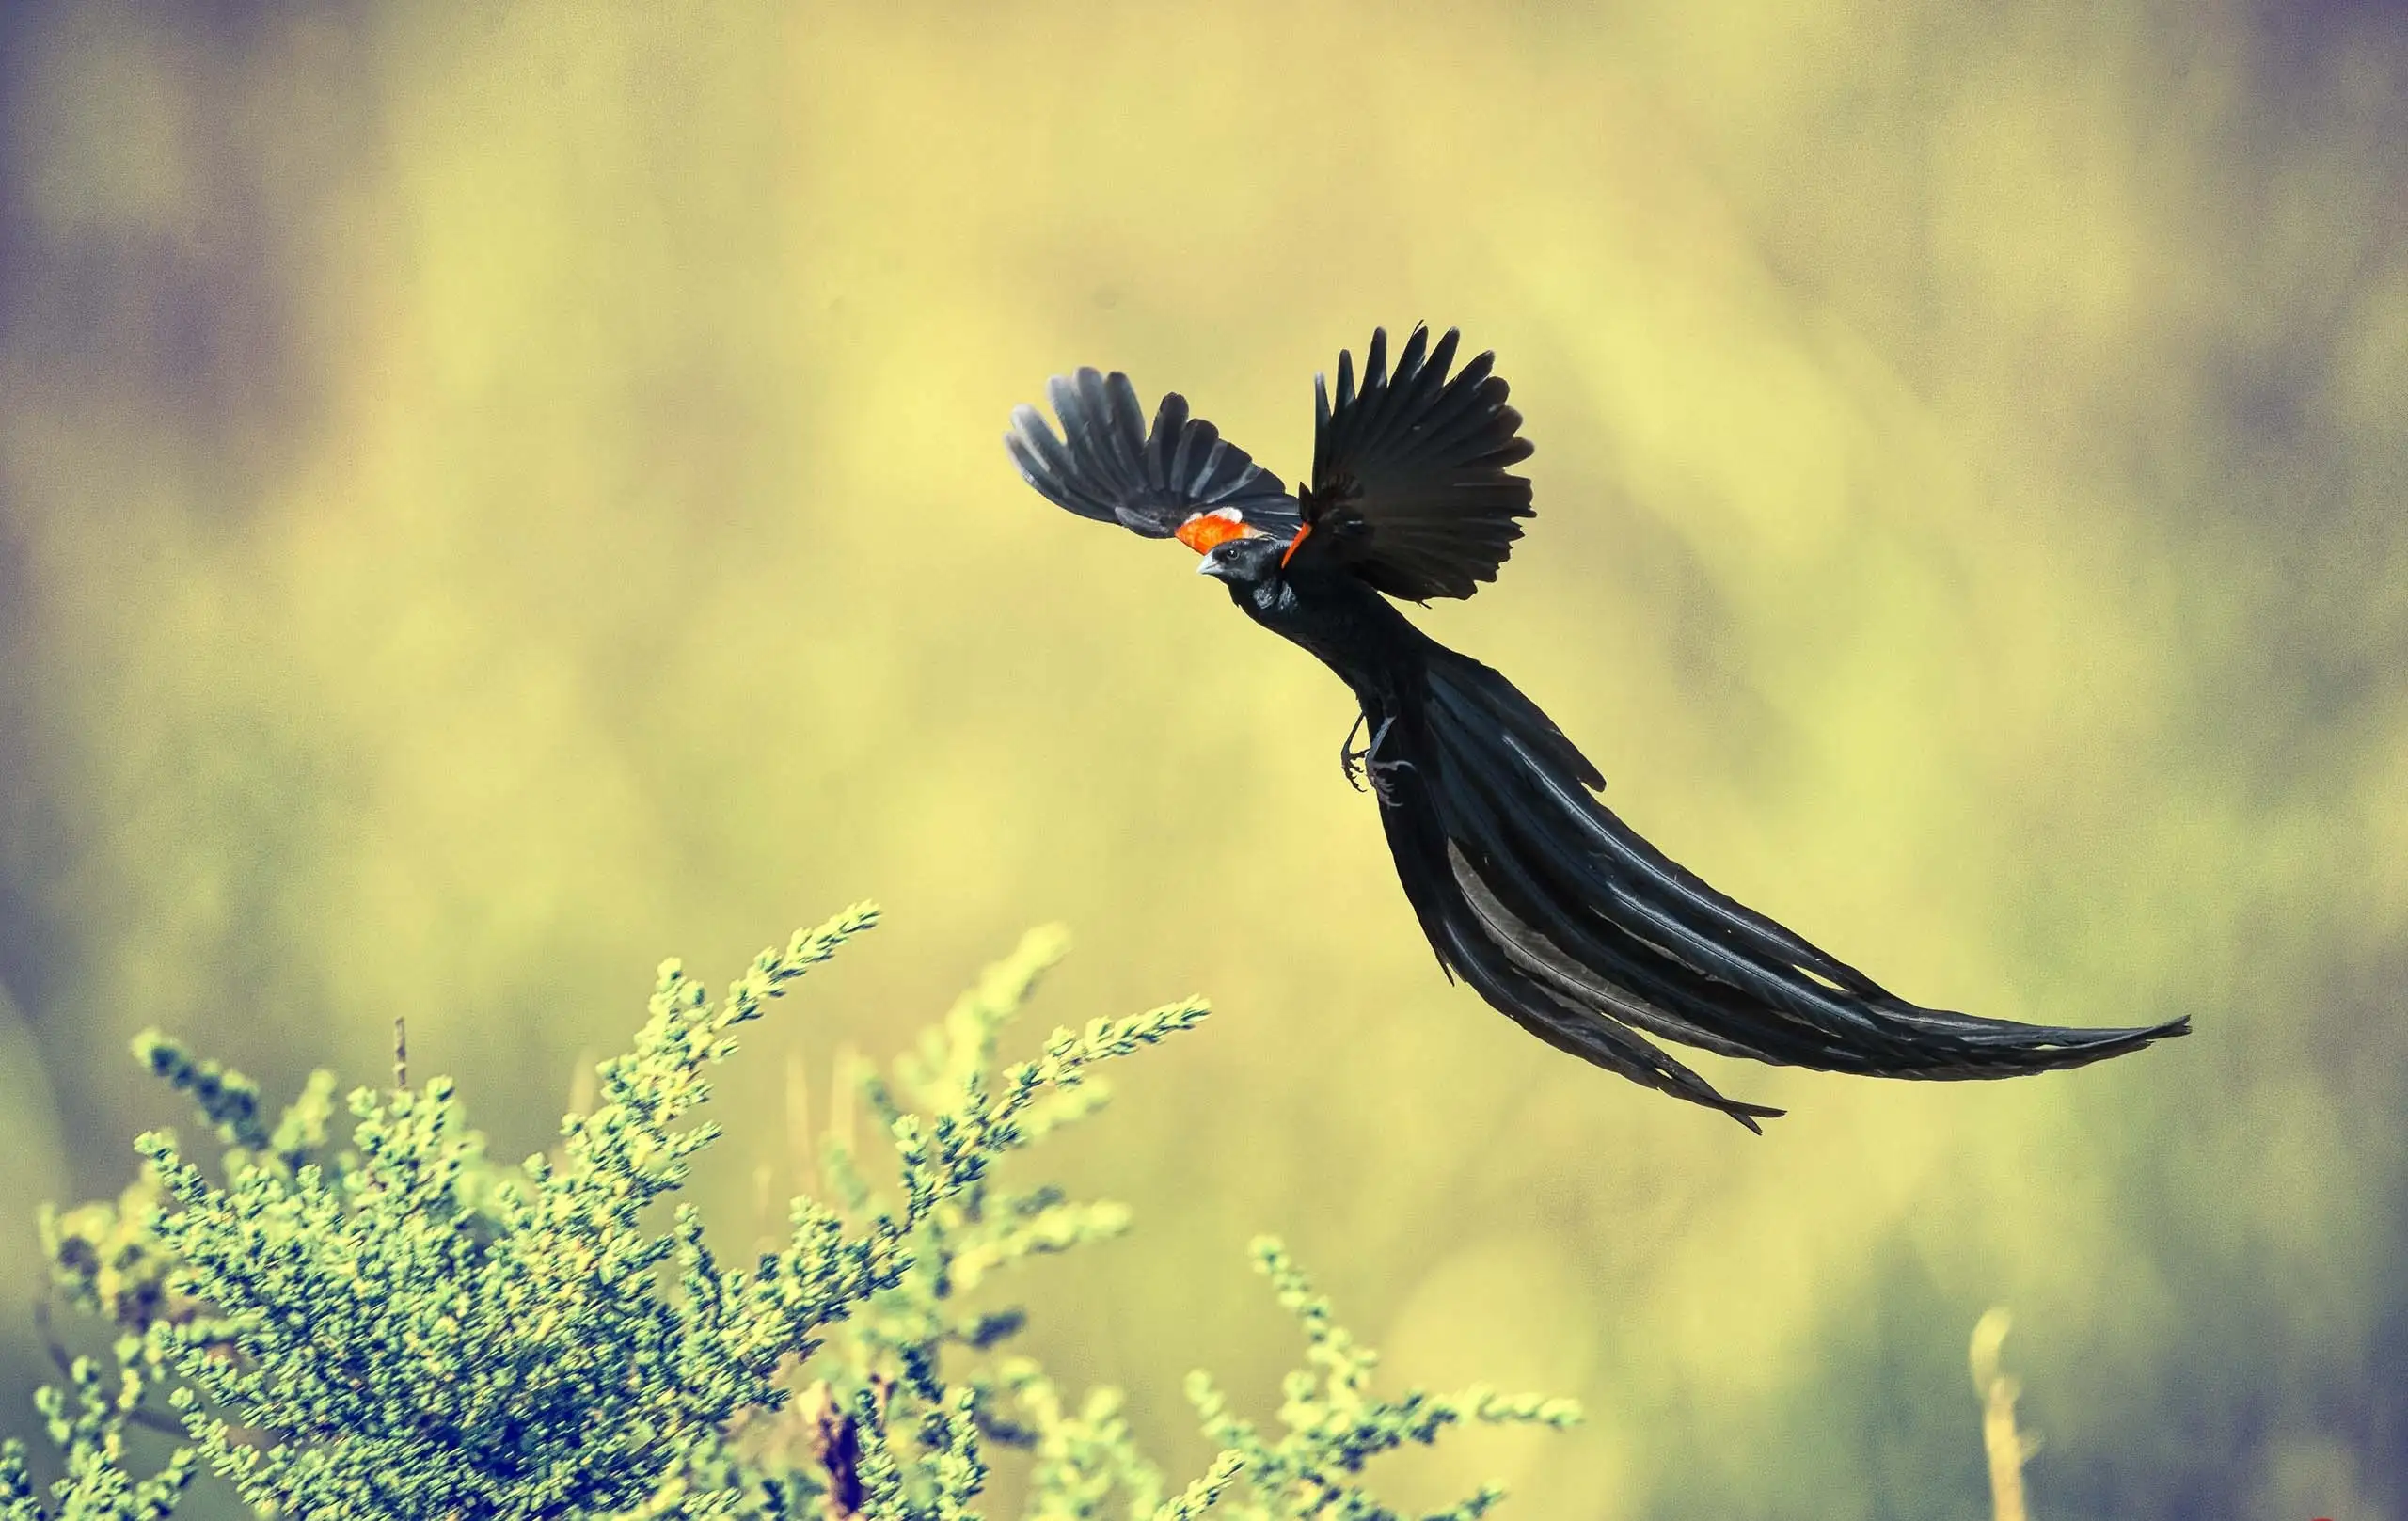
491, 496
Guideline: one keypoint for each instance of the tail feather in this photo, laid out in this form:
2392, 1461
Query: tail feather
1479, 945
1565, 918
1486, 712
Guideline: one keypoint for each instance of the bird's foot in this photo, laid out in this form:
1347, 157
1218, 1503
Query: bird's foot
1365, 763
1349, 760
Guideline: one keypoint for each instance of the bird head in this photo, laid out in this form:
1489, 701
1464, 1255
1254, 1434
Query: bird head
1251, 559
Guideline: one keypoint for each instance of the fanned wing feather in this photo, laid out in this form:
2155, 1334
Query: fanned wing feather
1106, 465
1412, 483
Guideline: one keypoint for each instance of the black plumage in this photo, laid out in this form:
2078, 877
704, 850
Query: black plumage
1410, 484
1108, 467
1526, 886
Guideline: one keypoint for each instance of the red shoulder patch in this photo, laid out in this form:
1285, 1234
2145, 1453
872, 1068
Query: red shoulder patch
1290, 553
1205, 529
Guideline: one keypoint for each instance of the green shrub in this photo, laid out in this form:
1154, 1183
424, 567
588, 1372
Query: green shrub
398, 1326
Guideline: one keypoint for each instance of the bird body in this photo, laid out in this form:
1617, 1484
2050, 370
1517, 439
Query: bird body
1360, 635
1525, 885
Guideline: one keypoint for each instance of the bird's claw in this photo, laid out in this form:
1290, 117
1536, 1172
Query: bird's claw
1360, 765
1349, 760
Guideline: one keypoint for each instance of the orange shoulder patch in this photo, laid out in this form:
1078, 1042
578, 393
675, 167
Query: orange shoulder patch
1205, 529
1290, 553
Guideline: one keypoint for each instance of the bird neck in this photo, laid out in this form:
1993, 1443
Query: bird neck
1348, 626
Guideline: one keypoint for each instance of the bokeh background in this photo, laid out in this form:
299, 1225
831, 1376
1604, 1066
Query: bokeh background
490, 496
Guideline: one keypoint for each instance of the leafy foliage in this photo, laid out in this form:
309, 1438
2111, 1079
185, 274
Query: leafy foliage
401, 1328
1335, 1426
90, 1436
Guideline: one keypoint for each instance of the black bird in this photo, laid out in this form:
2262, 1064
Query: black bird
1527, 887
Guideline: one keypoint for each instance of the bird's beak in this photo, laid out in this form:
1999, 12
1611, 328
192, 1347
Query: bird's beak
1214, 561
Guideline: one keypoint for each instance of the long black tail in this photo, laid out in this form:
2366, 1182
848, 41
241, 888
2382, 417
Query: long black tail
1584, 934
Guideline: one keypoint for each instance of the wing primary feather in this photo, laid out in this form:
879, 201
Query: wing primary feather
1471, 406
1375, 384
1208, 485
1396, 398
1428, 392
1108, 465
1129, 417
1171, 431
1046, 463
1417, 461
1121, 424
1077, 398
1166, 444
1416, 383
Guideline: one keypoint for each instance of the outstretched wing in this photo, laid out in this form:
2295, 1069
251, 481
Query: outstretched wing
1411, 484
1106, 466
